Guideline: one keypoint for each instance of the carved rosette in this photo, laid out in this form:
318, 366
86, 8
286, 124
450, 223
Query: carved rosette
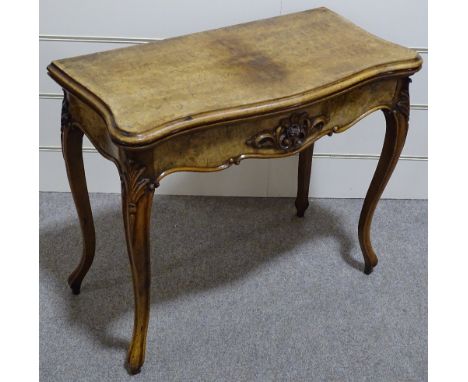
290, 134
135, 184
403, 99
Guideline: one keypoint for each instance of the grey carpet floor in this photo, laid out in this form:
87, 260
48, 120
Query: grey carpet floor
242, 290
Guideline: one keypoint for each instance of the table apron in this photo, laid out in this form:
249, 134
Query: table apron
216, 147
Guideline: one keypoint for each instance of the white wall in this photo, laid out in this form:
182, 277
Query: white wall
344, 164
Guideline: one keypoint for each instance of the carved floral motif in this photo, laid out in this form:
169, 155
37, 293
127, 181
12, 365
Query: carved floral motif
135, 185
290, 134
66, 120
403, 100
65, 117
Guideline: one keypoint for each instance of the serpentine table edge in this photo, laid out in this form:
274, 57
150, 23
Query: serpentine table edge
215, 145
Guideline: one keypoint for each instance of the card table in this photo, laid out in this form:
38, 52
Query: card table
206, 101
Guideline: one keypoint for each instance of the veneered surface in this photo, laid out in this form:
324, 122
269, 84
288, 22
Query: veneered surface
156, 89
218, 147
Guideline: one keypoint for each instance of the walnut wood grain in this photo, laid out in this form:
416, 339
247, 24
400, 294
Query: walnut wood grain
137, 196
303, 180
203, 102
72, 140
397, 128
232, 139
228, 73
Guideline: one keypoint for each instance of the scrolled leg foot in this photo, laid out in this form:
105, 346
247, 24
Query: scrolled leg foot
301, 208
135, 361
75, 286
395, 136
368, 268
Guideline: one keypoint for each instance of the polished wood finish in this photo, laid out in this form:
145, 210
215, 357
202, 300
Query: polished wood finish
395, 136
203, 102
303, 180
151, 91
72, 140
137, 197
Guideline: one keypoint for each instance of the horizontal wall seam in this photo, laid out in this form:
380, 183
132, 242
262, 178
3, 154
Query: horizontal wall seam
60, 96
419, 106
50, 96
316, 155
130, 40
101, 39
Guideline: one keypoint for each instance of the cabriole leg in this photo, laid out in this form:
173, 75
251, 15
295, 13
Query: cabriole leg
72, 140
137, 197
396, 131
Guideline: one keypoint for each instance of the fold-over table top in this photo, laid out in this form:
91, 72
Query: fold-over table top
153, 90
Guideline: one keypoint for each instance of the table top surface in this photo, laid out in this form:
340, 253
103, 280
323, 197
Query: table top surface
149, 91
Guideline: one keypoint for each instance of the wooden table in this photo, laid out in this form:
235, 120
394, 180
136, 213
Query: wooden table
202, 102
